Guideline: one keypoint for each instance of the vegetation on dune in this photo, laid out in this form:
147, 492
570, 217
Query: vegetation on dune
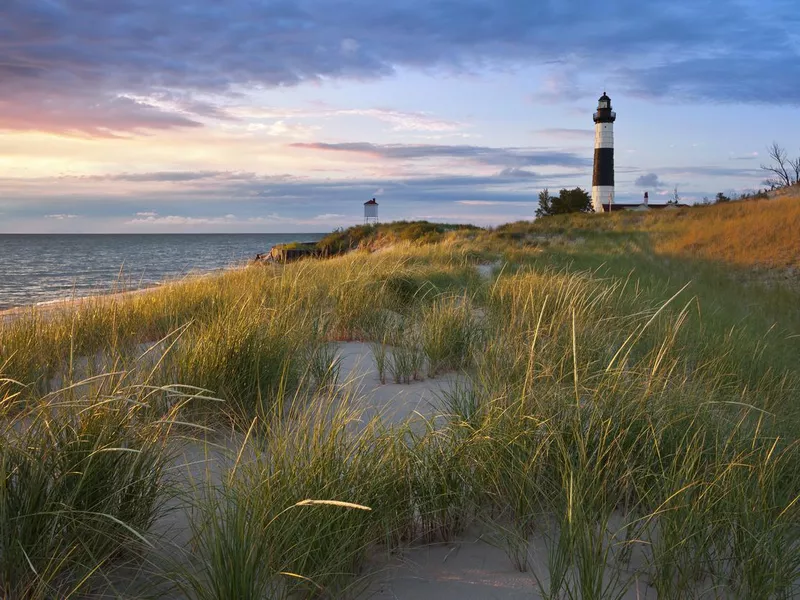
82, 479
385, 234
751, 233
632, 412
298, 246
755, 233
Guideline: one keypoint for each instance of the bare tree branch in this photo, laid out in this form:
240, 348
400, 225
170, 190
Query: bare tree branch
784, 171
795, 164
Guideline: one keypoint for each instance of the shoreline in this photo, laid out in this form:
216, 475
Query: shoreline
49, 306
93, 287
52, 305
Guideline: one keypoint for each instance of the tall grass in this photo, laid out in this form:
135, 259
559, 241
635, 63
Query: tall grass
380, 353
449, 332
407, 358
578, 441
82, 480
262, 521
242, 358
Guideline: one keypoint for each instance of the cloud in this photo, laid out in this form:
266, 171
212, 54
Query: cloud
650, 180
561, 84
172, 176
161, 176
517, 172
755, 80
112, 68
400, 120
564, 133
212, 202
189, 103
61, 216
510, 158
712, 171
83, 114
283, 129
170, 220
493, 203
406, 121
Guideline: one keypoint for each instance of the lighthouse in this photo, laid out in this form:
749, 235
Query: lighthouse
603, 175
371, 212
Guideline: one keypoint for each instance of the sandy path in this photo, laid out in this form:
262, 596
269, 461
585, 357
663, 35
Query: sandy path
396, 403
465, 569
476, 566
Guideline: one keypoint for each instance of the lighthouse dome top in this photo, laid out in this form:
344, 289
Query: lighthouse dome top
604, 113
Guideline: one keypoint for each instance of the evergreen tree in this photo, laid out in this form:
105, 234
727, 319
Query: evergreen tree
567, 201
544, 203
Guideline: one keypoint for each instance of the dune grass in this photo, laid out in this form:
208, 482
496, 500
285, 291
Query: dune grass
618, 419
748, 233
82, 479
300, 517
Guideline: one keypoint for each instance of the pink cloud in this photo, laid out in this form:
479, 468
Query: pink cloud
85, 116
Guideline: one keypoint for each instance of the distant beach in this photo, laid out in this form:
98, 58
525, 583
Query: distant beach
39, 269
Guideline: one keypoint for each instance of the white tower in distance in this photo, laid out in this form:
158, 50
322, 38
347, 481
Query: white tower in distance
603, 175
370, 212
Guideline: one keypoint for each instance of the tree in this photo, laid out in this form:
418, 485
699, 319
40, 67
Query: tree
567, 201
575, 200
544, 203
721, 198
783, 171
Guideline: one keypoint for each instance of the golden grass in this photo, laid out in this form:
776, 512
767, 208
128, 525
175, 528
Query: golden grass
758, 233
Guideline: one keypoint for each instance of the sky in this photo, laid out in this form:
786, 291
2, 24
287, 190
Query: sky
149, 116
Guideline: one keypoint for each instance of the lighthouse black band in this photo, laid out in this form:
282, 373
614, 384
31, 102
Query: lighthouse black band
603, 167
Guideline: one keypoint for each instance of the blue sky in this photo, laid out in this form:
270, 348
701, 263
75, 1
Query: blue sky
249, 115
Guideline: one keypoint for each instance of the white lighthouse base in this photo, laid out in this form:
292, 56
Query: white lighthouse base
602, 194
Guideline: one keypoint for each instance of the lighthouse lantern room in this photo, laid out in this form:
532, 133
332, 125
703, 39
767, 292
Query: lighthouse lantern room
603, 175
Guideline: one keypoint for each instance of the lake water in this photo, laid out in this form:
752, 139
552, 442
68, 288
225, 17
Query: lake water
43, 268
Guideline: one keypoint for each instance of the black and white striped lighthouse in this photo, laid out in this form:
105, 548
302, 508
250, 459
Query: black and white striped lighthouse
603, 176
